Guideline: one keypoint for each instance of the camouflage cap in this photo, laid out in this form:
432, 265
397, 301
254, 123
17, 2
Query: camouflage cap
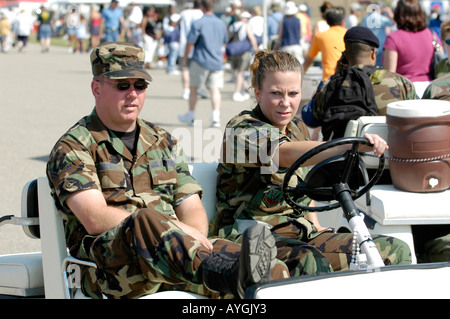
119, 60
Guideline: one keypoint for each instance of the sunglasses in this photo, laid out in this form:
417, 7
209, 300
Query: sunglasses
447, 41
125, 85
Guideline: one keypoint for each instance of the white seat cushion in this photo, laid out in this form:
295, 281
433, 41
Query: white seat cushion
21, 274
370, 125
390, 206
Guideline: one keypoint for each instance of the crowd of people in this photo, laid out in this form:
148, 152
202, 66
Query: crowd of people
198, 44
385, 56
163, 34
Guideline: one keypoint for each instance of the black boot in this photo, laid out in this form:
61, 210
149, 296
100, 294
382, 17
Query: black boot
257, 258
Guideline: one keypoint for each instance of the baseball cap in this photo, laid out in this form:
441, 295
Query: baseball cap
245, 14
175, 17
362, 35
119, 60
290, 8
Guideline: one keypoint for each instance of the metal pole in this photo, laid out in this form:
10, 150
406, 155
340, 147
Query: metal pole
264, 38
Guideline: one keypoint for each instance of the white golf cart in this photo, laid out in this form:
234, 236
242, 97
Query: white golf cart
346, 206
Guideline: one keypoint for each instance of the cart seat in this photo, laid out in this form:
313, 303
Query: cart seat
391, 206
29, 274
21, 275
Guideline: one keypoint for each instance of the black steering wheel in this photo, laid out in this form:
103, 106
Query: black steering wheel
321, 181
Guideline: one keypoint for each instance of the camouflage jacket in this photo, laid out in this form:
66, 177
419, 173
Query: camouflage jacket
249, 185
442, 68
439, 89
89, 156
387, 86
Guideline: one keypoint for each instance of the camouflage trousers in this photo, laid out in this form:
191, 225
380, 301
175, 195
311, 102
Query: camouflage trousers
327, 251
147, 253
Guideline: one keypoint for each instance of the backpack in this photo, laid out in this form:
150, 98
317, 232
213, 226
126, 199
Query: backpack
349, 94
234, 32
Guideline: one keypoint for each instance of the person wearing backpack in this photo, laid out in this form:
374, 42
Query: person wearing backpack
241, 31
357, 89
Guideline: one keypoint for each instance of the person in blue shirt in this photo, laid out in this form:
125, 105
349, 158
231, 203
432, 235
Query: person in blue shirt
112, 21
273, 22
207, 37
380, 18
172, 41
290, 32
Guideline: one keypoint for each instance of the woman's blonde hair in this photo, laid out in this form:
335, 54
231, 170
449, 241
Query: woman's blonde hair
272, 61
445, 29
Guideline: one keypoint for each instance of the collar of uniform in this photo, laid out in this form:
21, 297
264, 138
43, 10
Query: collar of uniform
260, 115
98, 130
147, 136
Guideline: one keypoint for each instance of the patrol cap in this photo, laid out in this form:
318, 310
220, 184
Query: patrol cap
119, 60
362, 35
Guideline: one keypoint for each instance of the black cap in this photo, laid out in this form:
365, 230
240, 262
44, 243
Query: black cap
362, 35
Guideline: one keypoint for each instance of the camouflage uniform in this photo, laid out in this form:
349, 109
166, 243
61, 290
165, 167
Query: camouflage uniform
248, 193
387, 86
442, 68
143, 252
439, 89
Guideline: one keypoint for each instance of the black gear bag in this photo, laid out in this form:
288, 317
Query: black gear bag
349, 95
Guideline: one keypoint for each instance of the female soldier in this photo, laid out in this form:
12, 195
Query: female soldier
258, 146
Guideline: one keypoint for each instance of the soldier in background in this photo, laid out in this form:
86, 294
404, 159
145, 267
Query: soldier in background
130, 204
361, 47
438, 89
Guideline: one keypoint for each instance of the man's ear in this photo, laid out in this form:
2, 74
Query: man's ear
95, 88
373, 55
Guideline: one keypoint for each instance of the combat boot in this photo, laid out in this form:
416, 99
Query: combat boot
230, 275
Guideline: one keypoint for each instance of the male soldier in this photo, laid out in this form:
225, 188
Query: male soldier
360, 52
130, 203
438, 89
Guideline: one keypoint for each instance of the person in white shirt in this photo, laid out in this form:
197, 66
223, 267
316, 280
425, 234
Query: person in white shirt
256, 22
134, 21
23, 27
352, 19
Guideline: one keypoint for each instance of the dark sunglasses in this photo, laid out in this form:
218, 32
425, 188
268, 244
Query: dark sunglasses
447, 41
125, 85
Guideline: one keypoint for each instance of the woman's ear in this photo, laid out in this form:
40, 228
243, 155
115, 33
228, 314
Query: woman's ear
257, 95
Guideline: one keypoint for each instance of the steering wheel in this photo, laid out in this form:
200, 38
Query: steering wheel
320, 182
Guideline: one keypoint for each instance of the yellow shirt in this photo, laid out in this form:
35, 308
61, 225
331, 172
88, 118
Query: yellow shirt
305, 23
331, 44
5, 27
